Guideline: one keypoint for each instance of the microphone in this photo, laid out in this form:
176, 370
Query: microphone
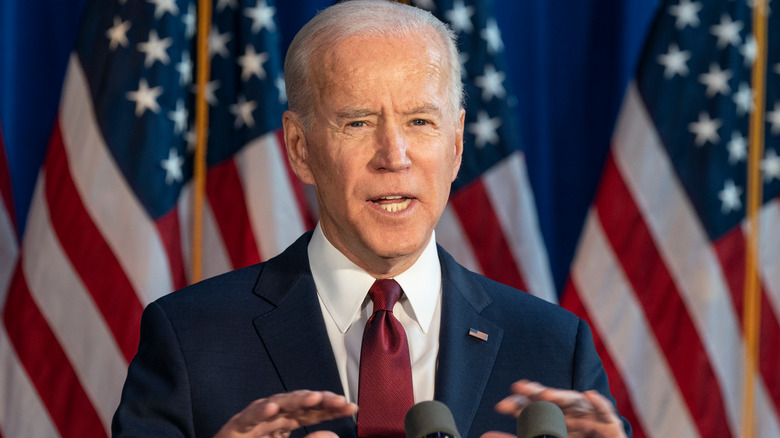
430, 419
541, 419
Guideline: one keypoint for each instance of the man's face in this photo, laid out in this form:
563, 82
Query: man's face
384, 146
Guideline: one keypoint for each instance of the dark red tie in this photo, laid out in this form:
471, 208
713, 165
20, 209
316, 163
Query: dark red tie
385, 387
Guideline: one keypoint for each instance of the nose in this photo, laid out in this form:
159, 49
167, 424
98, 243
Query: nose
392, 148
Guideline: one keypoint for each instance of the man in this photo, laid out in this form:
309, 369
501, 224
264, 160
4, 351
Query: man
376, 126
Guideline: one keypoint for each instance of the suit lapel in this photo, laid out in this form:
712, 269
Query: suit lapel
465, 362
293, 331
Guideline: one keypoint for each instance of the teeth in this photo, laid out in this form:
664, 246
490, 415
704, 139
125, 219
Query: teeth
395, 207
392, 197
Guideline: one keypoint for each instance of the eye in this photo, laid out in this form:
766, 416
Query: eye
419, 122
358, 124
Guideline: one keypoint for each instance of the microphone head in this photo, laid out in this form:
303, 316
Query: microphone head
430, 419
541, 419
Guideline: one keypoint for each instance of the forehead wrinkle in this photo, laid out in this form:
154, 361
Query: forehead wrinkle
352, 80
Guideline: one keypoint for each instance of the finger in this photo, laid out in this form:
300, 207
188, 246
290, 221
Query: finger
572, 403
296, 400
307, 407
512, 405
277, 428
331, 400
587, 427
603, 408
527, 388
257, 411
603, 421
238, 426
535, 391
524, 392
290, 411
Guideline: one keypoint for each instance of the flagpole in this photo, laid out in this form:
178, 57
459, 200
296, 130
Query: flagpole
201, 124
752, 298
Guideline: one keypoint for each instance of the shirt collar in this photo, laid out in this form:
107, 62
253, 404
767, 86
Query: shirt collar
342, 285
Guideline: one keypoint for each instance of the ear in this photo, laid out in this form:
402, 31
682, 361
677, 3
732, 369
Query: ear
458, 145
297, 148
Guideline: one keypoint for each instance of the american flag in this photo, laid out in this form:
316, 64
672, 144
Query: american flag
660, 266
110, 223
490, 224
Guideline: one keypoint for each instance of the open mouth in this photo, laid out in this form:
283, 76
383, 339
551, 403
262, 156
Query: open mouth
393, 204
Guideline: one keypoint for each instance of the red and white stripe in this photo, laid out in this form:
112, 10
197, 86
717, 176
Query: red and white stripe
491, 227
665, 302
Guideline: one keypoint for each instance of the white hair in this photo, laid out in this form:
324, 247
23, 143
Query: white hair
369, 18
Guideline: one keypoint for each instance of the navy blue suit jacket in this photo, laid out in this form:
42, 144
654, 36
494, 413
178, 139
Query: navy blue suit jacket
209, 350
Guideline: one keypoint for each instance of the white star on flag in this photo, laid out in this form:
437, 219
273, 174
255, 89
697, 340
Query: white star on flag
460, 17
706, 129
262, 16
218, 42
737, 147
727, 31
184, 67
491, 83
252, 63
463, 57
145, 98
770, 166
209, 93
279, 83
172, 166
192, 139
179, 117
189, 21
729, 197
773, 117
163, 6
674, 61
222, 4
716, 80
428, 5
492, 35
484, 129
687, 14
117, 34
744, 99
155, 49
243, 112
749, 50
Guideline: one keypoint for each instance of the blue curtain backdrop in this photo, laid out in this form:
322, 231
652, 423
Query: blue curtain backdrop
568, 62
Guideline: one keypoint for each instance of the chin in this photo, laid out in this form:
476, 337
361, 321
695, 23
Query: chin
391, 246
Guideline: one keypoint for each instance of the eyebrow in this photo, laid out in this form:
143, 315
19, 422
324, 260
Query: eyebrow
357, 113
354, 113
424, 109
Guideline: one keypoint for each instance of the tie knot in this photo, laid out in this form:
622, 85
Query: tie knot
384, 294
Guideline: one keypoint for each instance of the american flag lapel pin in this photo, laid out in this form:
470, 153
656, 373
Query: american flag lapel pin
478, 334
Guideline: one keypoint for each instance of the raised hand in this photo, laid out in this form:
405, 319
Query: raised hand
280, 414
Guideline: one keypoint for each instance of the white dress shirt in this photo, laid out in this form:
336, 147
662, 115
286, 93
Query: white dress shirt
342, 288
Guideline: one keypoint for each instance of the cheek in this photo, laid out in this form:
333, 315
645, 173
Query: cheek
332, 178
